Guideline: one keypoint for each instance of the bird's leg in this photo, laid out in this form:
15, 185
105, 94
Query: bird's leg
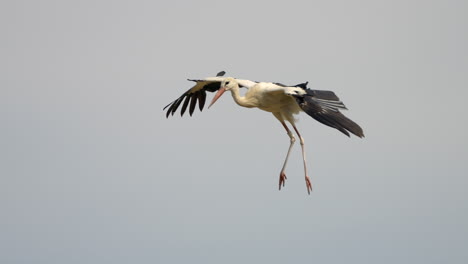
282, 178
307, 179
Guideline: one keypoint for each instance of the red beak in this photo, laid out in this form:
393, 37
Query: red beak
217, 96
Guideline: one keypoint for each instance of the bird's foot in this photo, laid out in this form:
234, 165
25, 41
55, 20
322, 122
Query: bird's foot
308, 184
282, 179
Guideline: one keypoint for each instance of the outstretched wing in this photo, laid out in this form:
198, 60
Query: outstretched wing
324, 106
195, 94
198, 94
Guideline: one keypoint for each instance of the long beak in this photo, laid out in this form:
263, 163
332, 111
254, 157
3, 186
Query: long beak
217, 96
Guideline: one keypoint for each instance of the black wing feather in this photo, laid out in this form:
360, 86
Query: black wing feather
176, 105
171, 107
212, 87
168, 111
193, 103
193, 95
325, 95
184, 106
201, 100
324, 107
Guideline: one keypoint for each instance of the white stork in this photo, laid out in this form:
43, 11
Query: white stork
281, 100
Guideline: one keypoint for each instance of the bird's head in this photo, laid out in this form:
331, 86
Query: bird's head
229, 84
226, 85
294, 91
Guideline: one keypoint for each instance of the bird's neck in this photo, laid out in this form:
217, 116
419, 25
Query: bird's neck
241, 100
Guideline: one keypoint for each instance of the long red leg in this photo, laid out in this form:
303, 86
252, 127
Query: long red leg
282, 178
307, 179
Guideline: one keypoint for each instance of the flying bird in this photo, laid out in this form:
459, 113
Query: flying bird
281, 100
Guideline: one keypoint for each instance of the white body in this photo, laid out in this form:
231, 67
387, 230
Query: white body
268, 97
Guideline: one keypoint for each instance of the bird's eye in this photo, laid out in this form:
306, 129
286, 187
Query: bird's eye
227, 83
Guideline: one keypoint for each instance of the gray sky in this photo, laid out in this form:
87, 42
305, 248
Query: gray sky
92, 172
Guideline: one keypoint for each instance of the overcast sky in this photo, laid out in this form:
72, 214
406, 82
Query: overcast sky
92, 172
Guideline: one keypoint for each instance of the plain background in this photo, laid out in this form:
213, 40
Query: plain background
93, 172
